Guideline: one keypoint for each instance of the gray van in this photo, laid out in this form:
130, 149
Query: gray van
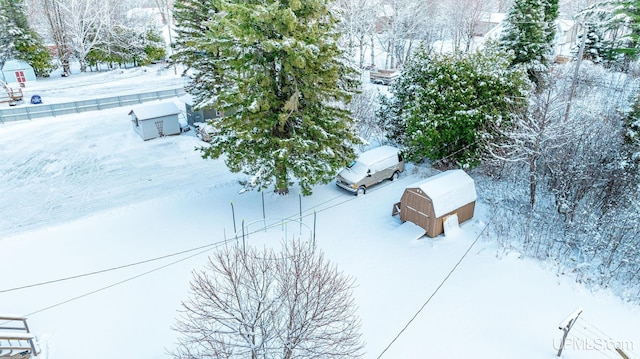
371, 167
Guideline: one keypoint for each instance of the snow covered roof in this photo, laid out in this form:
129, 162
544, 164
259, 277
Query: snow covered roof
492, 17
375, 155
448, 190
11, 65
155, 110
187, 98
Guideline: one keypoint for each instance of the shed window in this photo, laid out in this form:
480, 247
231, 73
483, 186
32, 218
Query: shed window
20, 76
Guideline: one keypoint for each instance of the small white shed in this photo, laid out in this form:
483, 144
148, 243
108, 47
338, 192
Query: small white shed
155, 120
17, 71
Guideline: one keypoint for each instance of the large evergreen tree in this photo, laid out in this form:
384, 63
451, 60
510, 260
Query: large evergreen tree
19, 41
193, 19
529, 31
451, 104
612, 32
275, 71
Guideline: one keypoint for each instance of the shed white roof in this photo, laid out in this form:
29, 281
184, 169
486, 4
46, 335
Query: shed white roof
146, 112
449, 190
12, 65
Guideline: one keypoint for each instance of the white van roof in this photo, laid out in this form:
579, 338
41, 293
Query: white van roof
377, 154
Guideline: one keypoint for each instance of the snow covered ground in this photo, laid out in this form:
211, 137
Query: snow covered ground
83, 193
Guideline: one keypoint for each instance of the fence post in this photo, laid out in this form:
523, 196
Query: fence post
233, 214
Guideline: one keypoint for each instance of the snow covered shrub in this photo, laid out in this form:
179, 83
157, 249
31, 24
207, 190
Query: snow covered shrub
585, 219
363, 107
444, 104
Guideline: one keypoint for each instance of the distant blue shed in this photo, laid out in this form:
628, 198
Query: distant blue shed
155, 120
17, 71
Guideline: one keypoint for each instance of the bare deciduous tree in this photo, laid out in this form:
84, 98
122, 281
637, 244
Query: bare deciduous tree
251, 303
532, 135
59, 33
357, 24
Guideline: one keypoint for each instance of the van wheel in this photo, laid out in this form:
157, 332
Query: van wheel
361, 191
395, 176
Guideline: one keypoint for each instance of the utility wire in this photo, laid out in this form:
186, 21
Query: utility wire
125, 280
185, 251
435, 291
106, 270
156, 258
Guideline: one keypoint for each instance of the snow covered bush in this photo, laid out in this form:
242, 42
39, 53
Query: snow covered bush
585, 218
443, 105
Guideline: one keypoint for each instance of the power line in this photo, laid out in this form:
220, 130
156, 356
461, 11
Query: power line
105, 270
435, 291
125, 280
205, 247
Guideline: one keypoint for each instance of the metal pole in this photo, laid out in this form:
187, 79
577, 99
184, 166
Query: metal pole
264, 217
575, 74
314, 229
300, 197
244, 248
233, 214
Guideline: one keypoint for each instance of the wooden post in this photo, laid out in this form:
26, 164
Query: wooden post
566, 326
233, 214
621, 353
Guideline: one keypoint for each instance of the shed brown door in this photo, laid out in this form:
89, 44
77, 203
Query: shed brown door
416, 208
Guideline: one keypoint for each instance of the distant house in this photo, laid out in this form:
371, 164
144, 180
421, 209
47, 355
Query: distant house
17, 71
565, 39
428, 203
487, 21
155, 120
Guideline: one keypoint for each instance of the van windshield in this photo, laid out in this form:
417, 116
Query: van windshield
357, 167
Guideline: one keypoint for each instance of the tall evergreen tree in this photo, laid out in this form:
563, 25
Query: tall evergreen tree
529, 32
192, 49
614, 32
19, 41
275, 71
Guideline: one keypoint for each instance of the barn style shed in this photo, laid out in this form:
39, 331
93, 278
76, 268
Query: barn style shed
155, 120
428, 203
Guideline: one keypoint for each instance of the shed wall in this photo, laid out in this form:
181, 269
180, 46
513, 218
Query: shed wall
464, 213
147, 128
417, 207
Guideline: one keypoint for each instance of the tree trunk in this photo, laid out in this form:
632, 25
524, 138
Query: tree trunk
373, 50
532, 180
282, 183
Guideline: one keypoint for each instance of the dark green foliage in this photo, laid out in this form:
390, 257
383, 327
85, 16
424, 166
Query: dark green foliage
275, 70
446, 103
126, 45
153, 47
19, 41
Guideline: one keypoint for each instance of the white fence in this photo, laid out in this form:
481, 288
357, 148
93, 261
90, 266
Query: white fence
44, 110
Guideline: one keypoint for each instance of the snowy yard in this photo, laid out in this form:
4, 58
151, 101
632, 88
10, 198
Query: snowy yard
83, 193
